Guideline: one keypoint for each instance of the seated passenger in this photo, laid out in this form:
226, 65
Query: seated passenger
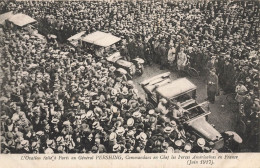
178, 111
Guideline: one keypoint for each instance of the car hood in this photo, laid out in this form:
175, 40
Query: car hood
201, 126
124, 63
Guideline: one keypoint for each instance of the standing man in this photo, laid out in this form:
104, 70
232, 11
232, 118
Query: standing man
171, 55
147, 52
212, 85
156, 44
228, 77
131, 48
181, 60
124, 53
212, 64
140, 49
163, 55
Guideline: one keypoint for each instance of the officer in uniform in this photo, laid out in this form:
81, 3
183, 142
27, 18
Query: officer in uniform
212, 85
163, 55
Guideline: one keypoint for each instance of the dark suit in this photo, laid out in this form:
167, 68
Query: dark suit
163, 55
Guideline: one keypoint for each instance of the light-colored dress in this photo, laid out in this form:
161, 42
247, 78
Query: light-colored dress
171, 55
182, 59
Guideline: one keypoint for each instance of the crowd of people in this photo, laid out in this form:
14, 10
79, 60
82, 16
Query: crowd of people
60, 99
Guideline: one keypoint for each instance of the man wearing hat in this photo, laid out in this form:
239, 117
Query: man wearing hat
241, 91
212, 85
198, 147
228, 77
25, 147
212, 64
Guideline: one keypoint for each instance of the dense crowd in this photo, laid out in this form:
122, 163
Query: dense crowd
60, 99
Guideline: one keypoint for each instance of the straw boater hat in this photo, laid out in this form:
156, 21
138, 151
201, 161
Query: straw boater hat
137, 114
170, 150
173, 123
89, 114
130, 133
55, 121
187, 147
112, 136
120, 131
40, 133
34, 144
151, 112
116, 147
178, 143
201, 142
60, 139
124, 101
66, 123
48, 151
130, 122
49, 142
168, 130
25, 143
143, 136
95, 124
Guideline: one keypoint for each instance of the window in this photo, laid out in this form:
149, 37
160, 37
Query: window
184, 97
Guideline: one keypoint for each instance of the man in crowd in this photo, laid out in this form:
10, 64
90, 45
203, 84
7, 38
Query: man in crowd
212, 85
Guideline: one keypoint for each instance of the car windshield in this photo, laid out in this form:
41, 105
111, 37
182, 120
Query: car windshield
184, 97
194, 112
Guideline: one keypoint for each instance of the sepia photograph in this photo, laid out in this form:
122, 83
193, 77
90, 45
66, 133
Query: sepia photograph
129, 77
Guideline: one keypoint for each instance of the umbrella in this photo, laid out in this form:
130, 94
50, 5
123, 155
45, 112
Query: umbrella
236, 137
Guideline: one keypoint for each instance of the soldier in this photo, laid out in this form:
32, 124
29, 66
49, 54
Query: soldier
156, 44
228, 77
212, 85
163, 55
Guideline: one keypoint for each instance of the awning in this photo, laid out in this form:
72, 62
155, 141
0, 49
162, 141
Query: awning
5, 16
76, 36
101, 39
21, 19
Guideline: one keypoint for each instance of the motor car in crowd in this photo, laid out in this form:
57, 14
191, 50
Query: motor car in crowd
100, 43
136, 67
183, 91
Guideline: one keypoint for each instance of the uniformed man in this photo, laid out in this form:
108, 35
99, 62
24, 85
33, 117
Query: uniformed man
228, 77
212, 85
163, 55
